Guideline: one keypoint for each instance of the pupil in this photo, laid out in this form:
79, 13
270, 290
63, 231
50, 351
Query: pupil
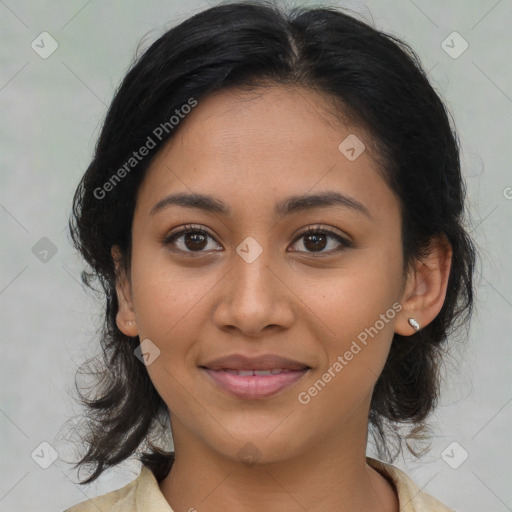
315, 241
195, 241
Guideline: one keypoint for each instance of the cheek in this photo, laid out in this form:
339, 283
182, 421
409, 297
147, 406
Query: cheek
165, 295
354, 335
169, 305
356, 309
365, 287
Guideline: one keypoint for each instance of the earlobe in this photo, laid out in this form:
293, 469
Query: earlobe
129, 327
125, 318
425, 289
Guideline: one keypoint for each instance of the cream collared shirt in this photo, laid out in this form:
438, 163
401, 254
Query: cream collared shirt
143, 494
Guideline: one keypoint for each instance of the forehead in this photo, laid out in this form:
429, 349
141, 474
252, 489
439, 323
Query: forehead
250, 146
237, 118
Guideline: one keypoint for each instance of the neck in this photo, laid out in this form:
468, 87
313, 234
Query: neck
330, 477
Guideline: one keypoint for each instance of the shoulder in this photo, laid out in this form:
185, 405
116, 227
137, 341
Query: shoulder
134, 496
410, 497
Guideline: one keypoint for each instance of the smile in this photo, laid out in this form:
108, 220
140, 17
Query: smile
254, 384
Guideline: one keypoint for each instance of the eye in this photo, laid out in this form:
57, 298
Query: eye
316, 239
195, 240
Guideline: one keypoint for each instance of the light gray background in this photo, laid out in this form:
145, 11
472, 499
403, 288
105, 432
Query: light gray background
51, 111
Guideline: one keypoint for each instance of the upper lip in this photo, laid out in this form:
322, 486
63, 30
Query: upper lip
263, 362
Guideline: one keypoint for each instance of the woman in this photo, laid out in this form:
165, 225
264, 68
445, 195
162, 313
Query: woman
275, 213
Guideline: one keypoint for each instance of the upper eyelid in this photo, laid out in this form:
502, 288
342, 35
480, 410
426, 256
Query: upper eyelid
182, 230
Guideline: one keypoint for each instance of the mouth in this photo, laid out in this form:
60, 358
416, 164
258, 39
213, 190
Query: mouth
252, 378
254, 384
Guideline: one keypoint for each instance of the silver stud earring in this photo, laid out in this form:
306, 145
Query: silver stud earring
414, 324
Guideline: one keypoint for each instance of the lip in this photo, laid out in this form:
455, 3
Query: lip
262, 362
254, 387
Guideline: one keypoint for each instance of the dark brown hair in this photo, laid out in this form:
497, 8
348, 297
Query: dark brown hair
380, 84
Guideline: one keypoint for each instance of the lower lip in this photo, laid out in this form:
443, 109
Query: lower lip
252, 387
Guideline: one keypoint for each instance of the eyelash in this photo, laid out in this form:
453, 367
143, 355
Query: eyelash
344, 243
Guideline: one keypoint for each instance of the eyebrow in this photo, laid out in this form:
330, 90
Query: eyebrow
292, 204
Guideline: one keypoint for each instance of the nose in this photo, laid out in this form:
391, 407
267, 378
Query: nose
254, 298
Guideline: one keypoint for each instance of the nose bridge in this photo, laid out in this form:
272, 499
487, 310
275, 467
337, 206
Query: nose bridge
254, 297
252, 287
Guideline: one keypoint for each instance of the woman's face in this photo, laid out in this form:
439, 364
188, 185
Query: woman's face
247, 280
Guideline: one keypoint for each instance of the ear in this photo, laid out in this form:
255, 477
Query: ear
425, 286
125, 319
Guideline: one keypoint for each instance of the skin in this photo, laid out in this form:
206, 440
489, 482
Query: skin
296, 299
